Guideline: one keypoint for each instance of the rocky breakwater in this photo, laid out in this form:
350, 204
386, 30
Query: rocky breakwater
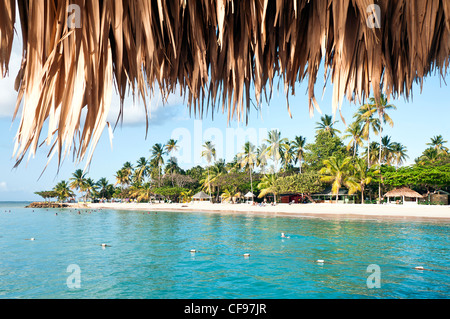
46, 205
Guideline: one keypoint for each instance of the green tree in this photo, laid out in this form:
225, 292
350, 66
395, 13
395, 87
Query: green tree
62, 190
338, 172
323, 147
437, 143
275, 146
157, 158
354, 132
247, 159
78, 180
298, 148
364, 116
209, 153
326, 124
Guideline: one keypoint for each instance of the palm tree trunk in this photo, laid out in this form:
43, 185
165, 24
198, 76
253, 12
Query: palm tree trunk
337, 195
368, 150
362, 195
251, 181
379, 155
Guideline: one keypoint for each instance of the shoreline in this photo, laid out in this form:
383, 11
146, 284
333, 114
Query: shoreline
366, 211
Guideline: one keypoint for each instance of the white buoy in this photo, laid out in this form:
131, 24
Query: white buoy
419, 268
246, 255
193, 251
320, 261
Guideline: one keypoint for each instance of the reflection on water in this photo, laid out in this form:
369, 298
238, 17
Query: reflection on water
149, 256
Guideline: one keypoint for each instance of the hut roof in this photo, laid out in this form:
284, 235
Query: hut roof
249, 194
201, 195
403, 191
213, 50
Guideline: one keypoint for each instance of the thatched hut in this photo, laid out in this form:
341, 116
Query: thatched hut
215, 52
201, 196
407, 195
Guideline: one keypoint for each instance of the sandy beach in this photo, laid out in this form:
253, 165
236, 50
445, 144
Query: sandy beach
294, 210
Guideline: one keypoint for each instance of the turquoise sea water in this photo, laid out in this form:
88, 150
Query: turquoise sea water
149, 256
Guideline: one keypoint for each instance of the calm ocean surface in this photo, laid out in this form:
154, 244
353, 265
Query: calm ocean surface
149, 256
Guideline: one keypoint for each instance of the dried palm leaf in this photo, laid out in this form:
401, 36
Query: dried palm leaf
213, 51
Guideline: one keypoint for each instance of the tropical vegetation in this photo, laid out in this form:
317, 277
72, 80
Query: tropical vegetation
360, 159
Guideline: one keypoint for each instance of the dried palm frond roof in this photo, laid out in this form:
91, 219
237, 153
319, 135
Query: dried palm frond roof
213, 51
403, 191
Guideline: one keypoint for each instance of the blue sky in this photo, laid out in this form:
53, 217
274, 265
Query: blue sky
426, 114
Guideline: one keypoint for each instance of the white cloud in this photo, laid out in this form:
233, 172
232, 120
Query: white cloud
3, 187
134, 113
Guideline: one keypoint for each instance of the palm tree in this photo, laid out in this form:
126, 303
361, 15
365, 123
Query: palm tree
105, 189
261, 157
437, 142
361, 175
89, 188
372, 150
122, 178
337, 171
326, 124
287, 156
364, 116
399, 153
247, 159
298, 148
266, 186
276, 145
209, 153
380, 107
62, 189
386, 150
78, 180
142, 169
171, 146
157, 157
355, 134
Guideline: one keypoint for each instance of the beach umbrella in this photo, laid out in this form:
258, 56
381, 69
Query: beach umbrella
213, 52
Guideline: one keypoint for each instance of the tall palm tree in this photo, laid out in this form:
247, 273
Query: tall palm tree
105, 189
326, 124
209, 153
399, 153
142, 169
90, 187
298, 148
338, 171
62, 189
361, 175
437, 142
247, 159
364, 116
122, 178
171, 146
287, 156
275, 146
261, 157
387, 155
354, 132
381, 106
157, 157
78, 180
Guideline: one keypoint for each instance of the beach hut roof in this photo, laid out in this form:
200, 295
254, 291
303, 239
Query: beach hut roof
249, 194
201, 195
403, 191
75, 56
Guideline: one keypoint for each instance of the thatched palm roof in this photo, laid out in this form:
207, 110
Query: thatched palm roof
214, 51
403, 191
201, 195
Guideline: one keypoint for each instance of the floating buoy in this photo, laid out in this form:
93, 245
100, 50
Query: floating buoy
32, 238
247, 255
419, 268
320, 261
193, 251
